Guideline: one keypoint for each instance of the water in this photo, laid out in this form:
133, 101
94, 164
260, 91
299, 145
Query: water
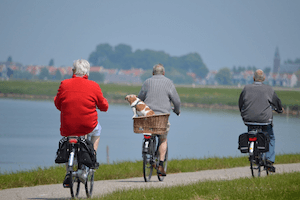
29, 134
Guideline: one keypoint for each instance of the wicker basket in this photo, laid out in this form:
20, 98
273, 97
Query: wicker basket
156, 124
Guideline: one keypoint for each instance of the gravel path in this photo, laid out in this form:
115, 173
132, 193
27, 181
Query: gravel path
55, 192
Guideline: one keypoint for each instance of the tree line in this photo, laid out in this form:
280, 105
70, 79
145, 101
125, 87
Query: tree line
123, 57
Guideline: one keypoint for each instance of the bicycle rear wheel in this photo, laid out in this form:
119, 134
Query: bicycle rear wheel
255, 166
159, 176
147, 167
74, 184
89, 184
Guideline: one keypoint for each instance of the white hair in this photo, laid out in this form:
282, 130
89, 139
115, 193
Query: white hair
259, 75
158, 69
82, 67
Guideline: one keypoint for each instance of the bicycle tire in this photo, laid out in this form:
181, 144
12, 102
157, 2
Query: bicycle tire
73, 182
159, 176
89, 184
255, 167
147, 167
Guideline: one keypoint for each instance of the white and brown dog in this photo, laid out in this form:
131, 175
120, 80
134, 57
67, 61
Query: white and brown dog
138, 107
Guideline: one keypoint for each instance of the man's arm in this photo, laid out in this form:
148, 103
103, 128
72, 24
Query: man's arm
101, 103
276, 103
57, 98
241, 100
142, 93
175, 100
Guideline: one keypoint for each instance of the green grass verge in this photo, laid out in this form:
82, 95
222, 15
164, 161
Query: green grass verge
56, 174
203, 95
279, 186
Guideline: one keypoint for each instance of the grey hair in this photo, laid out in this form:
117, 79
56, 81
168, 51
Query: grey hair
259, 75
158, 69
82, 67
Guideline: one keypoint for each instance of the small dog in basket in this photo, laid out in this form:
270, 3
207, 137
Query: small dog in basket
138, 107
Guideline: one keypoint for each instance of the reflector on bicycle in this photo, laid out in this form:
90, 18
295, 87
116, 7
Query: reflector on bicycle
73, 141
253, 139
147, 136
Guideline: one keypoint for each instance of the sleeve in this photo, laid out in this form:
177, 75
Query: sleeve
58, 97
142, 93
102, 102
276, 103
175, 99
241, 100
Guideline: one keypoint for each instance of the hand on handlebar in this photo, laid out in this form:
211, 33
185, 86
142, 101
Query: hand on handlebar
178, 114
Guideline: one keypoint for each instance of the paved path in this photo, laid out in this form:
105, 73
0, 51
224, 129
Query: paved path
55, 192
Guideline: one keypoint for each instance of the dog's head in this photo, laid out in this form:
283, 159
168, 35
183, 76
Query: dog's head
131, 98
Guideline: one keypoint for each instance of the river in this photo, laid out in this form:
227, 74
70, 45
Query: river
29, 134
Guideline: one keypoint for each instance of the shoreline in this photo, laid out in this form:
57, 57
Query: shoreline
121, 101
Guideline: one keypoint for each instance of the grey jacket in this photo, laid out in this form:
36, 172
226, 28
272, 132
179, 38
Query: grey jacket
158, 92
256, 103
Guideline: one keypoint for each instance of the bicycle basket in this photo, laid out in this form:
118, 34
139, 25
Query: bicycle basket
156, 124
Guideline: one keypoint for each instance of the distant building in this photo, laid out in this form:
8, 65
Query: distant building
283, 68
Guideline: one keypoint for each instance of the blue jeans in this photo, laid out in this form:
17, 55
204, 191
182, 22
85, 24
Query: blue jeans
270, 155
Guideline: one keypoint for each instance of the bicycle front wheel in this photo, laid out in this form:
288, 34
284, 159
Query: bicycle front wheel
147, 167
255, 167
89, 184
159, 176
74, 184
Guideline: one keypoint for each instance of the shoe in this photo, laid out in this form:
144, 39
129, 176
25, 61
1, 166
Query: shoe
67, 181
161, 171
96, 166
269, 165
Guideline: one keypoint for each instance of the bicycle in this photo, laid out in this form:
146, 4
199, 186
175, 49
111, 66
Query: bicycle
150, 156
151, 127
78, 172
256, 143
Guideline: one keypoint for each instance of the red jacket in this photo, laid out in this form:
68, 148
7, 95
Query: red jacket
77, 99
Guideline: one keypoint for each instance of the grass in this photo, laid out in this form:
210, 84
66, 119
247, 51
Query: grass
279, 186
200, 95
55, 174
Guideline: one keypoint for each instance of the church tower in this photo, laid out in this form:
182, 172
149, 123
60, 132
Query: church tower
276, 64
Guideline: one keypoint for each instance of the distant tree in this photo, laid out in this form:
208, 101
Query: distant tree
267, 70
51, 62
147, 74
179, 78
234, 69
194, 62
96, 76
241, 69
9, 59
44, 75
298, 77
289, 61
25, 75
102, 53
224, 77
58, 75
10, 72
66, 76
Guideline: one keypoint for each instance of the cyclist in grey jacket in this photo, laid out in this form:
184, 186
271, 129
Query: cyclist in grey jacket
256, 103
158, 92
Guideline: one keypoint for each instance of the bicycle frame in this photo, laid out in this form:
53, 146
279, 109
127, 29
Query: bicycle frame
88, 180
256, 158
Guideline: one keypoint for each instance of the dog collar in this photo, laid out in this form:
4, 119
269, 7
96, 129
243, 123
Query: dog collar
137, 102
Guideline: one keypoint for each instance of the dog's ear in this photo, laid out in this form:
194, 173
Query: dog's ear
126, 98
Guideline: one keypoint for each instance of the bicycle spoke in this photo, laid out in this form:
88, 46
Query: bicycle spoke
147, 167
89, 183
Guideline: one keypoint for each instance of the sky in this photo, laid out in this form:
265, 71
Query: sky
225, 33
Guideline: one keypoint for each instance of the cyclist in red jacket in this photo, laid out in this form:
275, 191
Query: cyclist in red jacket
77, 99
